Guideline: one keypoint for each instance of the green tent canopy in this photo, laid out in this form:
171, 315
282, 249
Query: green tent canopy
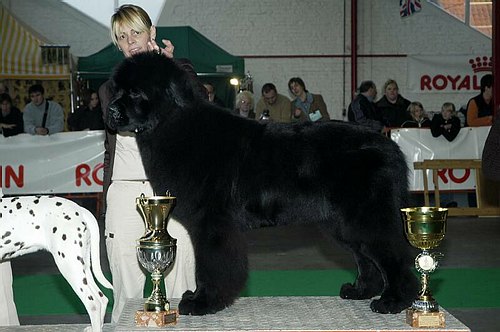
208, 58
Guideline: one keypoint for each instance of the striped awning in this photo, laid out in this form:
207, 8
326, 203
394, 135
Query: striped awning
21, 53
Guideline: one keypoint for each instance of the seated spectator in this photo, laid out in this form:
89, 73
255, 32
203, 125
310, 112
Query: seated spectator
419, 118
212, 97
277, 105
306, 106
392, 107
446, 123
11, 118
244, 105
480, 108
88, 117
41, 116
362, 109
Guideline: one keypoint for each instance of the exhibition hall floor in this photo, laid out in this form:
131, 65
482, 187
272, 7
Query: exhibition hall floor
300, 261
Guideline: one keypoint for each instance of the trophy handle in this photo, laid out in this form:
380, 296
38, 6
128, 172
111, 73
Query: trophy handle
141, 202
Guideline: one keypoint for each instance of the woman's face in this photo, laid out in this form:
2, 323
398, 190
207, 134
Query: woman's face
132, 42
245, 104
296, 88
391, 92
418, 112
5, 106
94, 100
446, 113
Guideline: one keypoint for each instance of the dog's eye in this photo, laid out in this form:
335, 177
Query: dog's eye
134, 94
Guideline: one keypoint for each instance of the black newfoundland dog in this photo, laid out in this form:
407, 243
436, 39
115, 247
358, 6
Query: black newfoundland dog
230, 174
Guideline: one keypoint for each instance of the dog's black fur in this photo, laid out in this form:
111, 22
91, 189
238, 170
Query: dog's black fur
230, 174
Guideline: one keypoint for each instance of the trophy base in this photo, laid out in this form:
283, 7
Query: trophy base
424, 319
156, 318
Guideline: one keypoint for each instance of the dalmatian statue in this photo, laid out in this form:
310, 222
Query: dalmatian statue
69, 232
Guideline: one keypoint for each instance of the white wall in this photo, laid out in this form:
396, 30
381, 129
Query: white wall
313, 35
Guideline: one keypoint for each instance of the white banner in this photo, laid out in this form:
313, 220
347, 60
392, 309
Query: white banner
418, 144
72, 162
450, 73
69, 162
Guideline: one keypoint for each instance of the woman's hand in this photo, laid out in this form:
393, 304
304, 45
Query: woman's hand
168, 51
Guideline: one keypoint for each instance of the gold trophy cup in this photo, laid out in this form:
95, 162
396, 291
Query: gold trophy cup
425, 228
156, 252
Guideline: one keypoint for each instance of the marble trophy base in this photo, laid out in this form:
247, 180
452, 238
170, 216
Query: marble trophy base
156, 318
424, 319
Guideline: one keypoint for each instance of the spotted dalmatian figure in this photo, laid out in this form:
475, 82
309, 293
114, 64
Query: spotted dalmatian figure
69, 232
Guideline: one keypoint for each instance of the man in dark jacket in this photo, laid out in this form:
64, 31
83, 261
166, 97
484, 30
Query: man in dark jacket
362, 110
392, 107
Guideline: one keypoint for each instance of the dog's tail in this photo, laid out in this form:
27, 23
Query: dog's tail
94, 249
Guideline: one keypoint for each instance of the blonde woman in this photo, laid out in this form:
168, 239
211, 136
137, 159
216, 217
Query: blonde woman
446, 123
244, 105
125, 179
419, 118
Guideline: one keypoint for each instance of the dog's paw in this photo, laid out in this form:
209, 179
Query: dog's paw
351, 292
389, 305
348, 291
195, 307
197, 304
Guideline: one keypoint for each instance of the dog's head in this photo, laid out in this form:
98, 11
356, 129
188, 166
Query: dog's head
146, 88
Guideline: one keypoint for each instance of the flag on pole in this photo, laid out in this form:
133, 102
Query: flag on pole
408, 7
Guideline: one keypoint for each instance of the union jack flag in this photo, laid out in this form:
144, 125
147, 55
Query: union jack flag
408, 7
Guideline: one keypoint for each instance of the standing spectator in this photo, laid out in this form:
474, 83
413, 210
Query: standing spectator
41, 116
244, 105
88, 117
480, 108
11, 118
279, 106
392, 107
212, 97
446, 123
362, 110
419, 118
306, 106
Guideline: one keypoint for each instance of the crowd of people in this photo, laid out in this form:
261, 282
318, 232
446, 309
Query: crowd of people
395, 111
44, 117
392, 110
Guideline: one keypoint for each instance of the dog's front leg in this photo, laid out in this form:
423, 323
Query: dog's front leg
221, 267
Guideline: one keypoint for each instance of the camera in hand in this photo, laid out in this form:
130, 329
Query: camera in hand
265, 115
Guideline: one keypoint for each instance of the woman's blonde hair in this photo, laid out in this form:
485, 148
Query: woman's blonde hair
248, 95
413, 106
132, 16
449, 106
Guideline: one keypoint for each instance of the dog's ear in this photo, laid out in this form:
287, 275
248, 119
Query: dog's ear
184, 84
